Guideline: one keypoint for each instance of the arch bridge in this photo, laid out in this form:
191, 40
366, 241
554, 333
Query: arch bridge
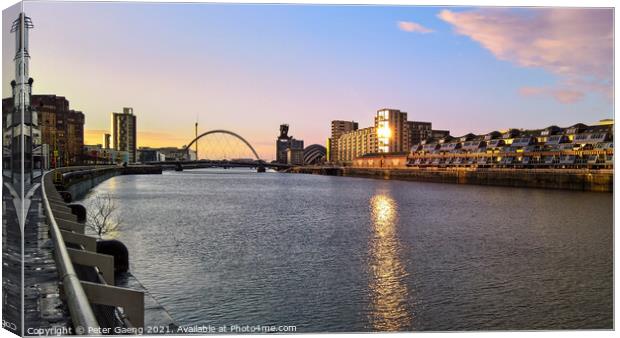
195, 164
221, 131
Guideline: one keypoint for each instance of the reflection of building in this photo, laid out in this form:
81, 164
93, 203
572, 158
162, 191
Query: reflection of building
388, 267
338, 128
284, 143
124, 133
314, 154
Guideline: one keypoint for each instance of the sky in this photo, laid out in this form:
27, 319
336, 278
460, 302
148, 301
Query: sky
250, 68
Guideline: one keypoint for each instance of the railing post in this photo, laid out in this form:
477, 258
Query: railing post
131, 301
105, 263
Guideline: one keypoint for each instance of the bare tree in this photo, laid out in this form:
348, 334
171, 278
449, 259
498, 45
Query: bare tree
102, 217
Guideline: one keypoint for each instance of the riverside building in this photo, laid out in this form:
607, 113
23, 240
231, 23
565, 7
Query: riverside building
174, 153
419, 131
295, 156
106, 140
124, 131
98, 154
339, 128
357, 143
288, 149
61, 129
314, 154
391, 133
576, 146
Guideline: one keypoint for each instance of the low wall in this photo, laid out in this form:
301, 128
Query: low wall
78, 181
81, 187
569, 179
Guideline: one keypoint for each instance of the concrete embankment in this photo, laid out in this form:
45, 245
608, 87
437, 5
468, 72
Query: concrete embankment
568, 179
78, 181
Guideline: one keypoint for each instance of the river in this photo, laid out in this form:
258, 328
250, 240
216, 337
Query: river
326, 254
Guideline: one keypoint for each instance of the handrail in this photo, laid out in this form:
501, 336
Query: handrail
82, 315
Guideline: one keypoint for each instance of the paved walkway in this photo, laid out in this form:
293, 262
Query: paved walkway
11, 264
42, 306
44, 311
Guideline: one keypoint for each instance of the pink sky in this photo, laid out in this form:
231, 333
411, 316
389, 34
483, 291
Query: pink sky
250, 68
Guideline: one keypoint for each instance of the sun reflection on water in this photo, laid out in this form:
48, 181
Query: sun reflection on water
389, 293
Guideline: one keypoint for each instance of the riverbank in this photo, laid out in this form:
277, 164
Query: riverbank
565, 179
75, 182
79, 180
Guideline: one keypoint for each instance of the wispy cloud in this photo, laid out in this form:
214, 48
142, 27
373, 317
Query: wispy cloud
574, 44
562, 95
413, 27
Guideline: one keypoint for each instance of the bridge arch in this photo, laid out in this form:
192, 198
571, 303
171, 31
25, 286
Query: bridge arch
222, 131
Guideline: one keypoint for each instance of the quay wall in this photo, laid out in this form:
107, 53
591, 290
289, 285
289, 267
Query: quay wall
79, 182
81, 187
568, 179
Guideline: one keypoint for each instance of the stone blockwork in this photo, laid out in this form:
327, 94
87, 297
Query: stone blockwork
585, 180
568, 179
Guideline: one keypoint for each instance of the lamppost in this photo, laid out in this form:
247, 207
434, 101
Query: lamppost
196, 138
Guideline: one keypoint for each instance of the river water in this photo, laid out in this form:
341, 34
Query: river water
234, 247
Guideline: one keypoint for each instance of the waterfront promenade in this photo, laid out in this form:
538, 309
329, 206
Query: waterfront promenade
50, 221
44, 310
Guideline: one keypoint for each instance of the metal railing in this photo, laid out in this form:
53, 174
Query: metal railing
92, 301
79, 307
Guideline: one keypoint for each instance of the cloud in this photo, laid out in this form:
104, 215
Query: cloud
562, 95
413, 27
574, 44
